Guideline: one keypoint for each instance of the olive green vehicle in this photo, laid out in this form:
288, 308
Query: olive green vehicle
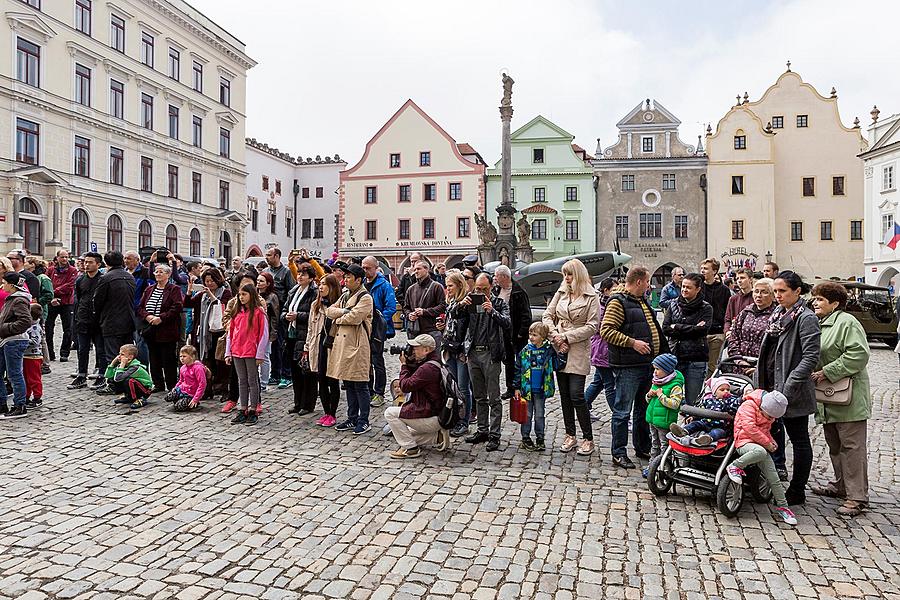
874, 307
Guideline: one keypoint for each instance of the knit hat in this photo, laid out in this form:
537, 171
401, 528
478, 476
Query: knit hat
774, 404
717, 382
666, 362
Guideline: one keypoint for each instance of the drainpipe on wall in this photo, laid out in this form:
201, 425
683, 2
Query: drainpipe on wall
703, 186
296, 191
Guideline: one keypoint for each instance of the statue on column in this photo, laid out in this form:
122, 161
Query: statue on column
487, 232
507, 90
524, 230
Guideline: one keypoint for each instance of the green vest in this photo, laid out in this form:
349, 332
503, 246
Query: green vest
658, 415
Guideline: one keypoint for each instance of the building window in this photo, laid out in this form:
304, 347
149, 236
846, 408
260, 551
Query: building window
196, 188
887, 178
265, 183
319, 229
146, 174
537, 156
114, 233
856, 230
195, 242
371, 194
83, 16
36, 4
796, 231
740, 142
837, 186
225, 246
117, 33
825, 230
571, 230
28, 135
403, 229
681, 227
224, 193
28, 62
455, 192
427, 229
224, 91
429, 192
463, 227
197, 133
737, 185
512, 195
571, 193
147, 49
809, 186
621, 227
145, 234
627, 183
540, 194
887, 224
737, 230
395, 161
320, 192
650, 225
198, 77
174, 64
224, 143
802, 120
82, 85
82, 156
668, 182
116, 166
81, 232
371, 230
172, 237
273, 218
304, 193
305, 228
647, 143
254, 216
117, 99
404, 193
425, 159
147, 111
173, 182
539, 229
173, 122
778, 122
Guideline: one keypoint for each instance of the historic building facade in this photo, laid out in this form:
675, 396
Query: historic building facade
124, 128
414, 188
651, 195
880, 163
291, 202
552, 185
786, 182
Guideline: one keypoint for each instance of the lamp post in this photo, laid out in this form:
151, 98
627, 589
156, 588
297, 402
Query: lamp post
351, 232
768, 256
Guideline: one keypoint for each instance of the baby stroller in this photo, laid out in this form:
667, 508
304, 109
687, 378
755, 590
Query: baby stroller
703, 467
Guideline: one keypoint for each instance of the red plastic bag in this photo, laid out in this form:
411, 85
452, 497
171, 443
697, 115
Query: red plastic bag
518, 409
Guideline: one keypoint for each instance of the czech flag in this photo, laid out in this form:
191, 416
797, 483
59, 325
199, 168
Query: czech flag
892, 236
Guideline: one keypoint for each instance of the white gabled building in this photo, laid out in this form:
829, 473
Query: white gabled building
881, 162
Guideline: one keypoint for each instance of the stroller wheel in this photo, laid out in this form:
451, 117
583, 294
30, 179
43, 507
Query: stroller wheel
729, 497
659, 478
759, 487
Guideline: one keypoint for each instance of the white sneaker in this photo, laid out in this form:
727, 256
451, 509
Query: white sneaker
736, 474
787, 515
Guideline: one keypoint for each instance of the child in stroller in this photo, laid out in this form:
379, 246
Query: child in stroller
704, 432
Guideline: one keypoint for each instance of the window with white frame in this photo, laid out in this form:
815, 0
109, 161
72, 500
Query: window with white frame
887, 178
622, 227
887, 224
668, 182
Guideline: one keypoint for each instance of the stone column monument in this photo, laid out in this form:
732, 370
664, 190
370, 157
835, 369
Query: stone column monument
506, 237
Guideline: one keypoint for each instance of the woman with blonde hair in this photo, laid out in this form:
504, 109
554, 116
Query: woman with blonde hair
573, 318
454, 329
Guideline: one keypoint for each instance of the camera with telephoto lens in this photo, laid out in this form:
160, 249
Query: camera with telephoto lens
405, 349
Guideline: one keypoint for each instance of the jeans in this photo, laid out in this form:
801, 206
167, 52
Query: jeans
248, 382
754, 454
797, 429
113, 343
143, 350
265, 369
64, 311
485, 375
632, 385
84, 351
12, 356
694, 375
700, 426
163, 364
378, 374
605, 380
460, 372
658, 440
359, 400
571, 393
536, 414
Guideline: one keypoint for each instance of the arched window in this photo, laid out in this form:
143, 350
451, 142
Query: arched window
114, 233
172, 238
195, 242
145, 234
81, 230
31, 225
225, 246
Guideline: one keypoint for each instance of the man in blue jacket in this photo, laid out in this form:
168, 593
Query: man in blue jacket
385, 302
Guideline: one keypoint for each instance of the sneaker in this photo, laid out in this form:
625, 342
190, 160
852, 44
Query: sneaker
104, 390
252, 418
240, 418
122, 400
782, 473
786, 514
460, 430
736, 474
303, 412
345, 426
386, 430
78, 383
645, 472
361, 427
328, 421
704, 439
401, 453
539, 445
139, 403
678, 430
228, 406
99, 382
493, 445
377, 400
586, 448
16, 412
63, 359
285, 384
320, 420
526, 444
259, 409
623, 462
45, 369
34, 403
477, 438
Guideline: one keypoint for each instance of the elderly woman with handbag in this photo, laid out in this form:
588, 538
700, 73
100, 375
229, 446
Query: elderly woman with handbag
844, 404
210, 299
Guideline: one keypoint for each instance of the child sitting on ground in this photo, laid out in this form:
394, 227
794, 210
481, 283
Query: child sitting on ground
663, 401
753, 443
703, 432
127, 376
192, 379
536, 383
34, 359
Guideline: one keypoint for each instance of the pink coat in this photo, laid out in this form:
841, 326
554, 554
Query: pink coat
192, 380
751, 425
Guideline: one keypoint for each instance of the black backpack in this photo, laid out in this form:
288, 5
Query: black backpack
453, 409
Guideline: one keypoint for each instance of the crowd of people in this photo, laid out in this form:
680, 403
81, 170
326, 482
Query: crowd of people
196, 332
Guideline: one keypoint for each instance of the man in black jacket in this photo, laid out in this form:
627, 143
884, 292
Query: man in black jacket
114, 306
87, 331
516, 336
717, 295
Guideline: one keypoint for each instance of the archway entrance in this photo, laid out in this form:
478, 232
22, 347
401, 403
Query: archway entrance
662, 275
884, 280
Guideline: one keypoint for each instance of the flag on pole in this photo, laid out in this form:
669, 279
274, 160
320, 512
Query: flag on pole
892, 236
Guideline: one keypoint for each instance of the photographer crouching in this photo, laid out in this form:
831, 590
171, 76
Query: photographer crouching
415, 423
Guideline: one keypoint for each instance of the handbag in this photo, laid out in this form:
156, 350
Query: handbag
518, 409
220, 349
215, 318
838, 393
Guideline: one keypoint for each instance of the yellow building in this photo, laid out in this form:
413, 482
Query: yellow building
785, 183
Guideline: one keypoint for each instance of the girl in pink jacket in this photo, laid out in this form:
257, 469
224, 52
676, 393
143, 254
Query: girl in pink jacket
753, 443
191, 380
245, 348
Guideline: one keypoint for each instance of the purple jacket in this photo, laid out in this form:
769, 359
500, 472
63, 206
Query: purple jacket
599, 346
745, 336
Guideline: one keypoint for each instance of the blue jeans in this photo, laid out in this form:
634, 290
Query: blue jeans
460, 371
359, 401
632, 385
605, 380
694, 374
143, 351
536, 414
378, 374
11, 356
700, 426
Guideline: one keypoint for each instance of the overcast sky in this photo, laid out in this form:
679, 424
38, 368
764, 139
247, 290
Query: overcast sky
330, 73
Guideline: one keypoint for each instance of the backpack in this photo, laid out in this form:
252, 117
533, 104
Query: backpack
453, 408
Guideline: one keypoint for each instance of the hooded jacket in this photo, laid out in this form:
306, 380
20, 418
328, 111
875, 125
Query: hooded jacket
687, 337
384, 300
717, 295
422, 381
751, 425
15, 317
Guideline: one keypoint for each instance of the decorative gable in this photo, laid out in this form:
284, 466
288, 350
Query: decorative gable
30, 24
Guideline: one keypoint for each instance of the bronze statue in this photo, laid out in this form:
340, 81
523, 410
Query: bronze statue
507, 90
524, 230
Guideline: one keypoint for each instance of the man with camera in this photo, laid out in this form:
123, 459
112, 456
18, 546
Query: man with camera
415, 423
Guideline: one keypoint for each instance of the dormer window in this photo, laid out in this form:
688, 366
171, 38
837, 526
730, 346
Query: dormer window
740, 140
537, 156
647, 143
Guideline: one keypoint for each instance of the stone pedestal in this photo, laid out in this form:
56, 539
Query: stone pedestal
506, 237
525, 253
486, 254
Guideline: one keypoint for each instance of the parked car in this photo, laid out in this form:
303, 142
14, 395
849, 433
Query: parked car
874, 307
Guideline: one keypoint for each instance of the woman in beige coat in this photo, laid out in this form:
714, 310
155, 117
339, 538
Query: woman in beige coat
573, 318
315, 353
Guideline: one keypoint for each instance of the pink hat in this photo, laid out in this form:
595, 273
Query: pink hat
717, 382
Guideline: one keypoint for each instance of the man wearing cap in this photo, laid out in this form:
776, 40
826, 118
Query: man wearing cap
32, 283
424, 302
415, 423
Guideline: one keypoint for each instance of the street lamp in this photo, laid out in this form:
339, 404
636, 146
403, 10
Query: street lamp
351, 231
768, 256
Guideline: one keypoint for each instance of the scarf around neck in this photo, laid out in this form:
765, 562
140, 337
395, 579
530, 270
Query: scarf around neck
663, 380
782, 320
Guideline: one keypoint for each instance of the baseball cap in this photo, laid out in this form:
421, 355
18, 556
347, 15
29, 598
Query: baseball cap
424, 340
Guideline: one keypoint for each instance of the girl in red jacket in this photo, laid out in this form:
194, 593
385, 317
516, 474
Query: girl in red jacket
245, 347
753, 442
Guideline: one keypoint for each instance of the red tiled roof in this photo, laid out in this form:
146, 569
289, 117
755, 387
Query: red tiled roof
539, 209
465, 149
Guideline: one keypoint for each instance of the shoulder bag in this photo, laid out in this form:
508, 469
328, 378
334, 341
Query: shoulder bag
838, 393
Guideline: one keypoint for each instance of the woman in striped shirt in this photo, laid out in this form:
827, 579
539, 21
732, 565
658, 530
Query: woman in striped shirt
160, 315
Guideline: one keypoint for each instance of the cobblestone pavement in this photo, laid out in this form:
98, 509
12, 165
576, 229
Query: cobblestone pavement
99, 502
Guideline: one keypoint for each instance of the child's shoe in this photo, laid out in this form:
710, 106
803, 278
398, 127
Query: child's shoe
252, 417
704, 439
228, 406
736, 474
240, 418
259, 409
34, 403
787, 515
122, 400
139, 403
328, 421
539, 445
526, 444
678, 430
645, 472
320, 420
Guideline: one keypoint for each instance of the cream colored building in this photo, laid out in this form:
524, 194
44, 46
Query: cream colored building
124, 127
785, 181
882, 199
414, 188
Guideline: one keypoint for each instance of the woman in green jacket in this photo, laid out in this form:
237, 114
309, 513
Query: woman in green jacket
844, 353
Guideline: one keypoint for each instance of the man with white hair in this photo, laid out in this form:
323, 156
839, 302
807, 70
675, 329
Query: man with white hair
423, 303
516, 336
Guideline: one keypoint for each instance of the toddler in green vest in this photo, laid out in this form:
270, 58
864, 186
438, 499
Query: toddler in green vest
663, 401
